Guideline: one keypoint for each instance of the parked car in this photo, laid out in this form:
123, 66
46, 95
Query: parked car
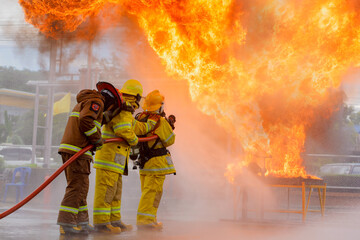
17, 155
21, 155
343, 177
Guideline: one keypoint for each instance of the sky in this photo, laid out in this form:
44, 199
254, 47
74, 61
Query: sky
11, 20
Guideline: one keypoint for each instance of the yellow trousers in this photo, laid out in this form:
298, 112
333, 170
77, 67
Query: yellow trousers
151, 192
107, 201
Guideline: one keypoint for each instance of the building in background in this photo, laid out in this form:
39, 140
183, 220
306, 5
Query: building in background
15, 103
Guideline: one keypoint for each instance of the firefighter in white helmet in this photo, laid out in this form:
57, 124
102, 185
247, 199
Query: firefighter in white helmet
111, 162
155, 161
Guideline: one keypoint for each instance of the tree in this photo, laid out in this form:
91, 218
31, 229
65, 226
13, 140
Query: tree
13, 78
355, 118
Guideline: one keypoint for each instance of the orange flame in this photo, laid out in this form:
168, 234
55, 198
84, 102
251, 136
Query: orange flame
56, 17
262, 69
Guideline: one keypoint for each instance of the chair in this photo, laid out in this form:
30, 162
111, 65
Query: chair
19, 184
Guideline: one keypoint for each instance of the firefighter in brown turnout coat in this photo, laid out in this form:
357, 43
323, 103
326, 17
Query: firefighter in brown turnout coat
83, 128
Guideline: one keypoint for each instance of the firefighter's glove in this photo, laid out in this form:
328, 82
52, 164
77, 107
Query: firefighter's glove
154, 117
98, 144
171, 120
110, 114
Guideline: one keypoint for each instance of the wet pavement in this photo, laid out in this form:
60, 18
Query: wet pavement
36, 222
188, 217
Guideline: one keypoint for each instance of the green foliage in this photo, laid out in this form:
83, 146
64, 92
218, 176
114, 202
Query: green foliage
24, 128
15, 139
347, 111
2, 164
19, 130
13, 78
355, 118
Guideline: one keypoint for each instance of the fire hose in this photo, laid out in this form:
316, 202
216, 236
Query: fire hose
58, 171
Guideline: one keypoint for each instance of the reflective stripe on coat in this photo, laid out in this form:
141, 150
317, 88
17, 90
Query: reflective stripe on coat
114, 156
83, 126
161, 165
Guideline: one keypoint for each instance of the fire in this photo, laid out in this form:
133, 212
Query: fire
262, 68
56, 17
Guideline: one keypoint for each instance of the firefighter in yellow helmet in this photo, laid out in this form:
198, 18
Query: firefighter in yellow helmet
111, 162
155, 161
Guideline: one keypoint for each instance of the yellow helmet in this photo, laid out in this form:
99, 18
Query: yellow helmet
153, 101
132, 87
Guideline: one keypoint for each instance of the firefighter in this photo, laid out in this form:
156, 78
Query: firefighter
82, 129
111, 162
155, 162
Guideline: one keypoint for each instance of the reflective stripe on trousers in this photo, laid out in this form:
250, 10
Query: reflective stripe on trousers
73, 209
151, 192
107, 201
108, 165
